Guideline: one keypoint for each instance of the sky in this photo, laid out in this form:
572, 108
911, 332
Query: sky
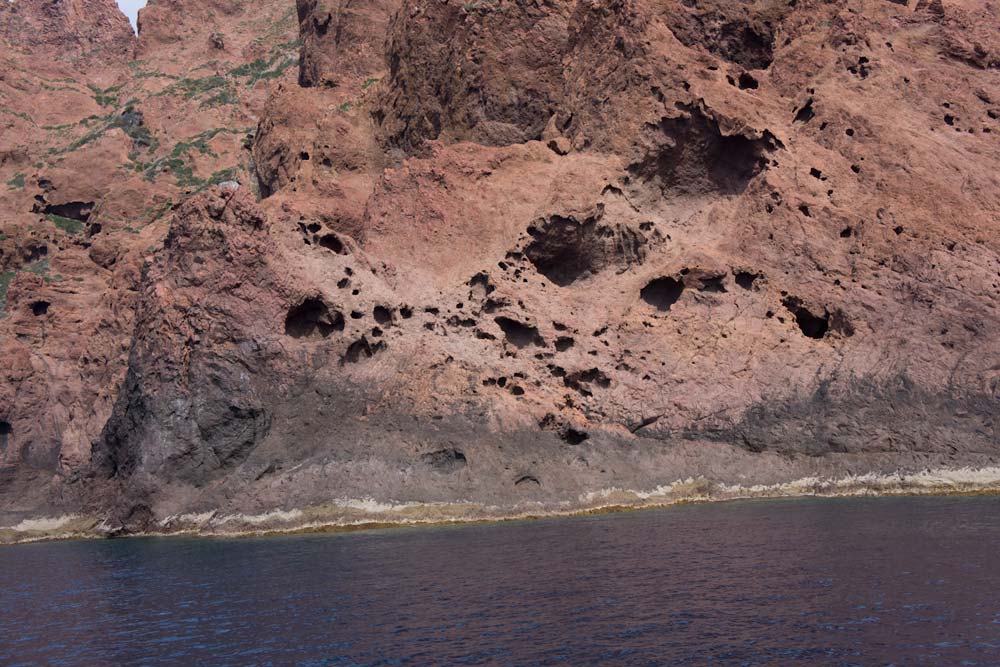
131, 8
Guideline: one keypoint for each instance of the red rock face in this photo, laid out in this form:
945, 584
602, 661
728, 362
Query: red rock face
503, 254
70, 30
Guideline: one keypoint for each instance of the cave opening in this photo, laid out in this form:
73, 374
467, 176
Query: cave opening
312, 319
662, 293
810, 324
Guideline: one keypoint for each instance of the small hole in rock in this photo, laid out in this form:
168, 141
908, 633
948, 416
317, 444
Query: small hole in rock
662, 293
745, 279
806, 113
361, 349
715, 284
331, 242
747, 82
40, 308
564, 343
811, 325
519, 335
571, 436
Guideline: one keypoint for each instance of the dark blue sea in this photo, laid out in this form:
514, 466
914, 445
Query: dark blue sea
900, 581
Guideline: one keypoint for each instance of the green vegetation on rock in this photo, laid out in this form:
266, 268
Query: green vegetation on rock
68, 225
41, 268
5, 280
107, 97
17, 182
178, 162
260, 69
18, 114
129, 121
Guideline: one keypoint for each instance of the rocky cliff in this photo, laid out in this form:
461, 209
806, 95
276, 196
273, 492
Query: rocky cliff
268, 266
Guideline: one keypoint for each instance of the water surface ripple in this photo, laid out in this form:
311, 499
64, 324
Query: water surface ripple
900, 581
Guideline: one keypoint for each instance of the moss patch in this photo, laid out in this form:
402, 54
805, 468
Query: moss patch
17, 182
107, 97
68, 225
5, 280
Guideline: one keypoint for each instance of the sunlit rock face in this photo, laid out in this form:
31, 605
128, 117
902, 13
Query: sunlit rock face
262, 259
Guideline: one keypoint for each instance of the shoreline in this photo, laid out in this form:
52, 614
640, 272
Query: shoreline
353, 515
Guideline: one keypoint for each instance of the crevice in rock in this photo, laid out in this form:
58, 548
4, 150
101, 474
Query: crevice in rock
6, 431
39, 308
647, 421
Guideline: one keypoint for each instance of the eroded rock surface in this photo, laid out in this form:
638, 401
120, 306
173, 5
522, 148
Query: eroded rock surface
496, 254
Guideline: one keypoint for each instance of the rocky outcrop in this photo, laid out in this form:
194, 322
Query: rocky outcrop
507, 260
341, 40
201, 299
497, 80
76, 30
